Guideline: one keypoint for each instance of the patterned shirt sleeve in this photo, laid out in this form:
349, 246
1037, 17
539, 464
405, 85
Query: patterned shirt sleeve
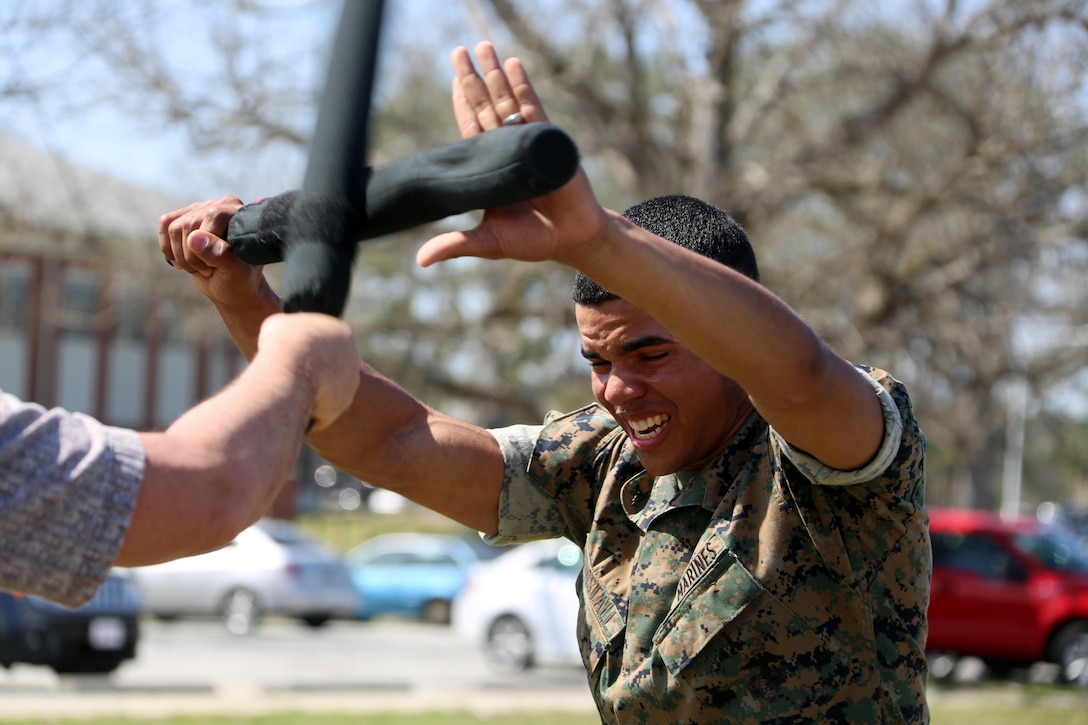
549, 491
68, 487
818, 472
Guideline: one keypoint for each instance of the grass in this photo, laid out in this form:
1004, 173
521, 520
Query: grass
336, 719
941, 715
343, 531
444, 718
982, 703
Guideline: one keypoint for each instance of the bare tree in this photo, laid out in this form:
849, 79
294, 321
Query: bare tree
914, 183
912, 174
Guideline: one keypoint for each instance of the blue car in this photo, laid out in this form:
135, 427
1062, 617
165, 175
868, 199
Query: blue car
410, 575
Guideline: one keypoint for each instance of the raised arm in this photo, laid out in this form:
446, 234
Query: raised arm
813, 397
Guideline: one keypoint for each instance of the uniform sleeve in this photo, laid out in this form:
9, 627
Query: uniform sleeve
526, 512
68, 487
551, 479
818, 472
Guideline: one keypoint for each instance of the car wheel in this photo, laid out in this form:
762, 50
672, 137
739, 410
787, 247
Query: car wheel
437, 611
315, 620
941, 665
87, 665
1070, 651
509, 645
240, 611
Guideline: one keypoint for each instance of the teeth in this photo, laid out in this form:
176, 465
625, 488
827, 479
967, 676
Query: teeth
647, 428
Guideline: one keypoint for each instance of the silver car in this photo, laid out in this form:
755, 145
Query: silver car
271, 568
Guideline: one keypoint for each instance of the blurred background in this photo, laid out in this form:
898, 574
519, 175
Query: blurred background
913, 175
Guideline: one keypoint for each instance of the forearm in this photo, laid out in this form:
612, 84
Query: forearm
219, 466
391, 440
812, 396
243, 323
728, 320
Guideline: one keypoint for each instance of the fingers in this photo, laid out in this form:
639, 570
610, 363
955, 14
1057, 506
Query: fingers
497, 99
482, 99
175, 227
528, 102
208, 252
442, 247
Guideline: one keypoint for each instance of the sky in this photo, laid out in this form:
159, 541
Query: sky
109, 139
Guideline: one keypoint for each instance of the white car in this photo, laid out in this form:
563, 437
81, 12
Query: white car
522, 607
270, 568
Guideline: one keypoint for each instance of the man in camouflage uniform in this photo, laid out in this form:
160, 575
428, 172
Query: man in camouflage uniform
749, 504
763, 587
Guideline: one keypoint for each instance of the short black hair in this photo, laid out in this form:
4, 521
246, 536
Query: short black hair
693, 224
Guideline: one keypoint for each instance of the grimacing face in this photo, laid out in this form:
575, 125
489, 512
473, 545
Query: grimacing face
678, 411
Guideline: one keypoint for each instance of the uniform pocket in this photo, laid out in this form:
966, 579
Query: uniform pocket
758, 632
717, 597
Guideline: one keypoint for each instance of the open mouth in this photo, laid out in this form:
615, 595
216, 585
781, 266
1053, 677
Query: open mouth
648, 428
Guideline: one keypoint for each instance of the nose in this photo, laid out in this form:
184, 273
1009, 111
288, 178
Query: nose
620, 387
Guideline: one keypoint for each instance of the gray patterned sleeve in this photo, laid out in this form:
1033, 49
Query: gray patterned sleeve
68, 487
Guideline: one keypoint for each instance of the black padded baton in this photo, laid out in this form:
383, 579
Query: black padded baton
323, 222
493, 169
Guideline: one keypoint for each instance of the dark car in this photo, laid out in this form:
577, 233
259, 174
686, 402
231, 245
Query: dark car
95, 638
1009, 591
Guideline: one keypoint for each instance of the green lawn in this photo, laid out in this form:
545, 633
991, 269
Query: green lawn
452, 718
1027, 714
343, 531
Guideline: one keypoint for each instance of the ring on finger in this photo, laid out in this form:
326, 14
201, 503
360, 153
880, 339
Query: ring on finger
513, 119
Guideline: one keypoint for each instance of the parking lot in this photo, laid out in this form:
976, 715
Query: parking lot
195, 666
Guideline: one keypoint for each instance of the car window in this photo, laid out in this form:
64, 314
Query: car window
972, 552
1054, 549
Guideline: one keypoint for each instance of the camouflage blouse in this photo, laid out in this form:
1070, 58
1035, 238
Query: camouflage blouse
765, 588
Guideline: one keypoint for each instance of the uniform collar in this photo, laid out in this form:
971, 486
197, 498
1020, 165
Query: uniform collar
645, 497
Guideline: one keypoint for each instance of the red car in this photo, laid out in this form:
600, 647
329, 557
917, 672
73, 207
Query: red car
1011, 592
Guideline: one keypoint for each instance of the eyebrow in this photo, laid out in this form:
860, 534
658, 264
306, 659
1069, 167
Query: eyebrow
631, 346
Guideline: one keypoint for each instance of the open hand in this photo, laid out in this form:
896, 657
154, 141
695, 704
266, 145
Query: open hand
549, 227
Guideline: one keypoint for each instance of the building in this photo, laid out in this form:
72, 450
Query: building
91, 318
